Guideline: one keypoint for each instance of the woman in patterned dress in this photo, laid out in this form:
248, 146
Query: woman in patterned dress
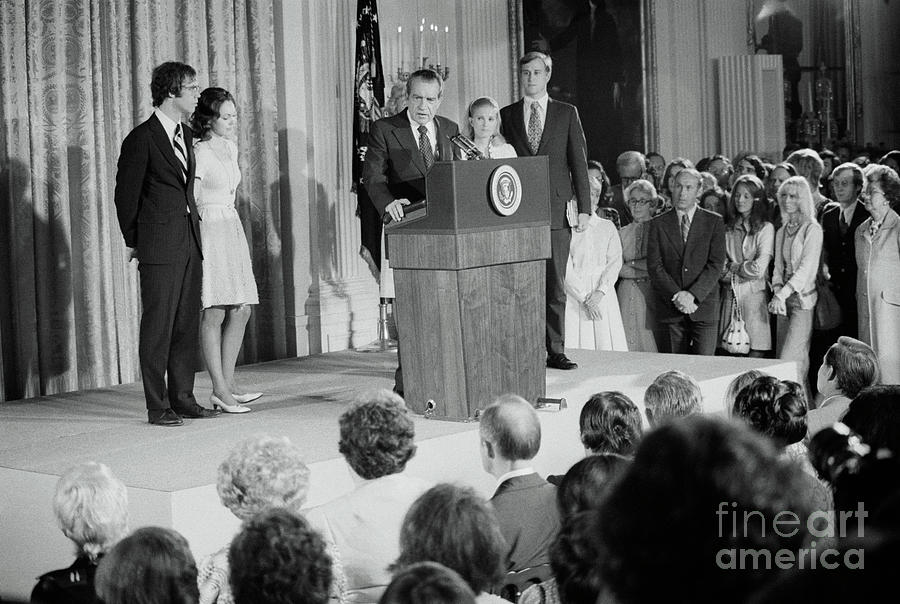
228, 284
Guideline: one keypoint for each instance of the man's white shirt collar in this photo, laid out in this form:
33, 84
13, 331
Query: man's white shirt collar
513, 474
690, 213
168, 123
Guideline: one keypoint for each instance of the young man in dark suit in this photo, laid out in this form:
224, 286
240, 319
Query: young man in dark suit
402, 148
685, 256
159, 221
539, 125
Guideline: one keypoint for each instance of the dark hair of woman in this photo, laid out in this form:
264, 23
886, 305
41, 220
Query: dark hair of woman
776, 408
583, 486
456, 527
207, 110
610, 423
759, 212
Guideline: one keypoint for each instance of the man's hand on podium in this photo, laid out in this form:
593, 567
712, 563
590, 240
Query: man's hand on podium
583, 221
395, 209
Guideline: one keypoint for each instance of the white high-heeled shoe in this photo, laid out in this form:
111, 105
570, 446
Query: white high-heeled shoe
247, 398
217, 403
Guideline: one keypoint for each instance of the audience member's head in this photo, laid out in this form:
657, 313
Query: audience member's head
886, 180
808, 165
776, 408
829, 161
857, 473
667, 186
454, 526
427, 583
583, 486
714, 199
849, 366
747, 202
574, 558
671, 395
610, 423
277, 558
847, 182
891, 159
91, 507
642, 200
796, 186
377, 435
153, 565
720, 167
675, 520
777, 175
656, 165
510, 433
708, 182
736, 385
262, 472
630, 166
751, 164
875, 415
601, 188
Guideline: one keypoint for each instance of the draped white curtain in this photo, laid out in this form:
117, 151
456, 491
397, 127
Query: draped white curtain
74, 79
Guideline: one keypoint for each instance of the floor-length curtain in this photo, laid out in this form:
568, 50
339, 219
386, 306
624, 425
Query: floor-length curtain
74, 79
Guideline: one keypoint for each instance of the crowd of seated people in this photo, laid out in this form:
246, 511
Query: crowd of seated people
692, 495
658, 497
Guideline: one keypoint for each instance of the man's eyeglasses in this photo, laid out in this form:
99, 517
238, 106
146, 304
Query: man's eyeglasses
191, 87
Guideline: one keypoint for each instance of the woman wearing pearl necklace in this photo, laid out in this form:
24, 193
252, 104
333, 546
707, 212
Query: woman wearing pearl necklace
229, 287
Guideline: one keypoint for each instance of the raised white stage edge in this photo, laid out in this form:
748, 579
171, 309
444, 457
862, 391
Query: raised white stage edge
31, 543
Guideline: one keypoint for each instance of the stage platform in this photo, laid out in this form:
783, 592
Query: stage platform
171, 472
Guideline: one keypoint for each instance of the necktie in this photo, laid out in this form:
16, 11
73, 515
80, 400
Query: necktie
178, 143
843, 224
685, 227
534, 128
425, 147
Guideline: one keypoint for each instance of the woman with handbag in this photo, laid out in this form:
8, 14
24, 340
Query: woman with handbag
798, 248
749, 246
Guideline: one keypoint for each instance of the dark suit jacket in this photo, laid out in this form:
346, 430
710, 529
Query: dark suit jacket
839, 253
562, 141
694, 267
529, 519
394, 168
152, 197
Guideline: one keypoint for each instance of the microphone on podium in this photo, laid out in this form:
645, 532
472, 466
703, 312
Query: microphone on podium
466, 145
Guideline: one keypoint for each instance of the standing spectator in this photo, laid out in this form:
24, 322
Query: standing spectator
750, 164
636, 299
798, 248
656, 166
153, 565
362, 528
891, 159
685, 256
848, 367
601, 192
524, 502
593, 319
260, 472
631, 166
839, 224
878, 260
667, 186
672, 394
720, 167
277, 558
91, 507
749, 248
809, 165
777, 175
539, 125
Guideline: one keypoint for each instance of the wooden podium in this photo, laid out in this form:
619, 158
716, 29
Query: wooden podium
470, 287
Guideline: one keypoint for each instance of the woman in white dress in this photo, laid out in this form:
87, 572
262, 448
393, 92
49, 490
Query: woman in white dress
593, 319
228, 284
484, 129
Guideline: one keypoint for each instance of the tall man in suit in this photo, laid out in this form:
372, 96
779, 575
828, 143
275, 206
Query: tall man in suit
524, 502
159, 221
539, 125
685, 256
402, 148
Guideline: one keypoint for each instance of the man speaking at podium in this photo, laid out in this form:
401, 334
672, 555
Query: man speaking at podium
539, 125
402, 148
